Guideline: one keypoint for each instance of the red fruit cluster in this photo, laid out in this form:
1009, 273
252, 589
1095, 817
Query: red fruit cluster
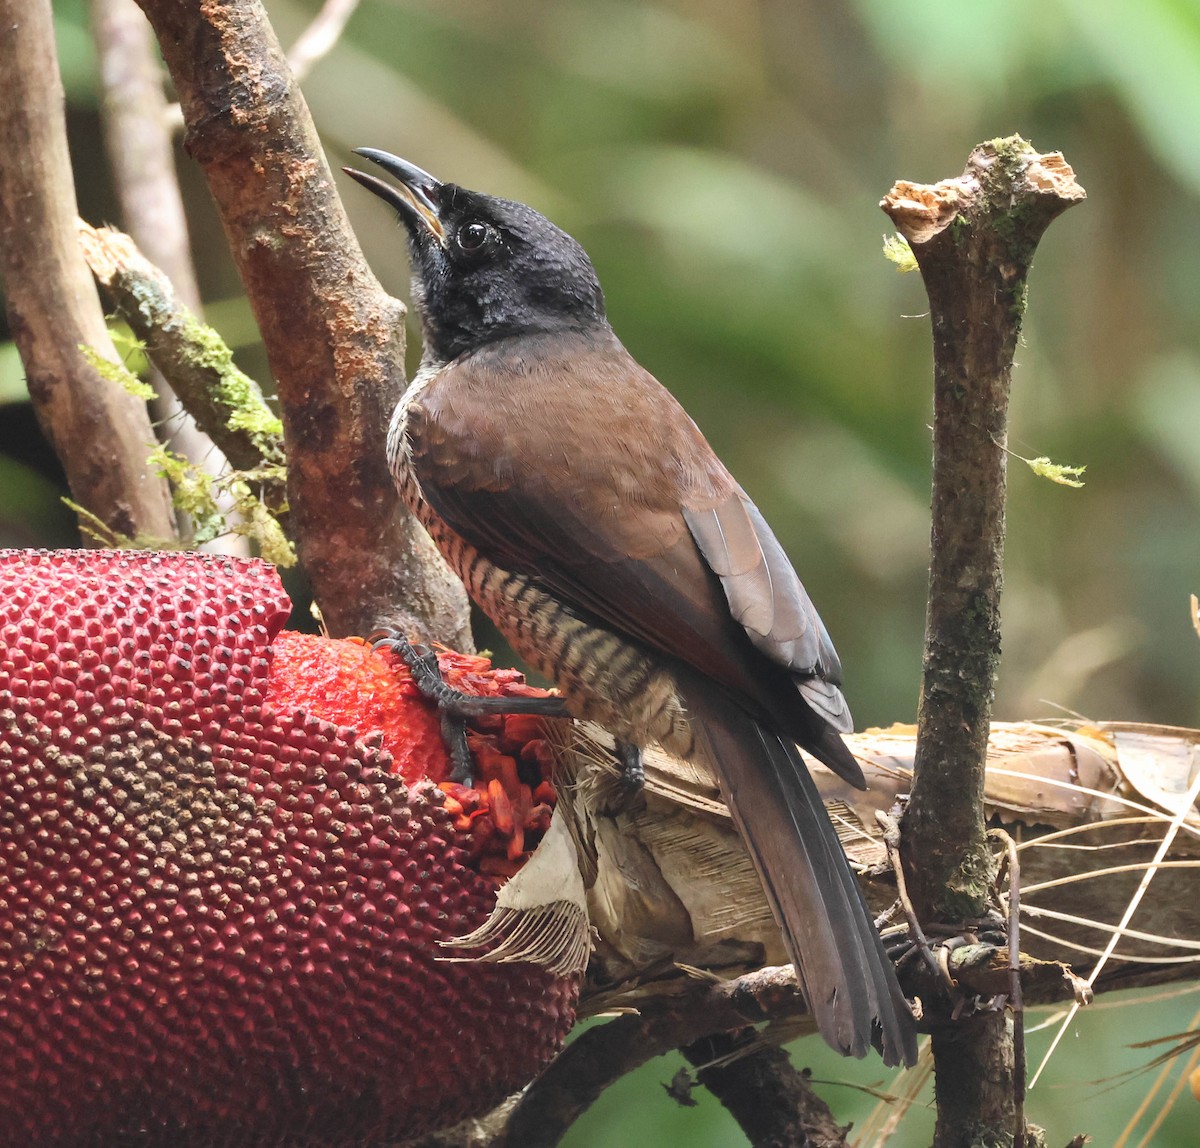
503, 816
220, 913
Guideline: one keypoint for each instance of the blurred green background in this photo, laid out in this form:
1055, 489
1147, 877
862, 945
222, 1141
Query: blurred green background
723, 162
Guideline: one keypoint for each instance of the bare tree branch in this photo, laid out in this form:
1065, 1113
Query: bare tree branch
138, 142
321, 36
313, 44
101, 434
974, 239
601, 1055
334, 339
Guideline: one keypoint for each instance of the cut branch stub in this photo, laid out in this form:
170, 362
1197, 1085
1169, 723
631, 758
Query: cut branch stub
1043, 186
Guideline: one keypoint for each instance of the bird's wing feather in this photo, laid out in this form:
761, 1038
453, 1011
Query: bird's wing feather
648, 533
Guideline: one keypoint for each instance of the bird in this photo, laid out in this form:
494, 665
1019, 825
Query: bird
590, 519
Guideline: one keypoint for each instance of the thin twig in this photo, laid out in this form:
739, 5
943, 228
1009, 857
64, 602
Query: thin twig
1047, 840
1108, 871
1165, 1071
1016, 1003
891, 840
1100, 926
320, 37
887, 1116
1117, 799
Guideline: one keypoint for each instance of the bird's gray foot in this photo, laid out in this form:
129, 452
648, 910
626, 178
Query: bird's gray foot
633, 769
454, 707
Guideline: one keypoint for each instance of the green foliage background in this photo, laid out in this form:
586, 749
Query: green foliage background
723, 161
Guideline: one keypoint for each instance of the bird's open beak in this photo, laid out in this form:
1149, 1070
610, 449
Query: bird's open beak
417, 196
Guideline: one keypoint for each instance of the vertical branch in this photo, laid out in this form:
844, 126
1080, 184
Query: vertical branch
137, 137
974, 239
334, 339
101, 434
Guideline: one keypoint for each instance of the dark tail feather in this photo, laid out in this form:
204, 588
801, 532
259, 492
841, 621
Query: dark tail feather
849, 982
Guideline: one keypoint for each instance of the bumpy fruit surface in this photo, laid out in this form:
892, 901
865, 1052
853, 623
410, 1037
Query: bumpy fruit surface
220, 914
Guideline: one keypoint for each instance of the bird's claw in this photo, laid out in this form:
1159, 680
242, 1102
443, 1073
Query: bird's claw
426, 674
454, 706
633, 767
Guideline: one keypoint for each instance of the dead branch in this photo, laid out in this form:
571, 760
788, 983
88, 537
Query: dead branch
772, 1101
101, 434
334, 339
974, 239
601, 1055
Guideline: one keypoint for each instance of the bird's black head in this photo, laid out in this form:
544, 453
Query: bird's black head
484, 268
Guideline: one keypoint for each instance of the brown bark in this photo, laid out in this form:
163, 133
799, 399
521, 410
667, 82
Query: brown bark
335, 341
601, 1055
974, 239
773, 1102
101, 434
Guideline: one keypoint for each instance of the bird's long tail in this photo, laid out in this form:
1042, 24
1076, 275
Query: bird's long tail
848, 981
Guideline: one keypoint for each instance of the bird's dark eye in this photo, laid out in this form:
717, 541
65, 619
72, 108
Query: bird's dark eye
473, 237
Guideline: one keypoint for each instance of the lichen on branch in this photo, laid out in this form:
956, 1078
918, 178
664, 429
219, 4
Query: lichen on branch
974, 238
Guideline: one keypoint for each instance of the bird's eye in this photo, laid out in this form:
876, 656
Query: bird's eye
473, 237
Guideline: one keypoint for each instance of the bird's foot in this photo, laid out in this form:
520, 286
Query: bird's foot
455, 708
633, 768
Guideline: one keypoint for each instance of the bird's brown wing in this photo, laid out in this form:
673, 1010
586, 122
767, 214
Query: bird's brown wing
540, 458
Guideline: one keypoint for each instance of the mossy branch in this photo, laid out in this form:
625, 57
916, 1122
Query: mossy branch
226, 403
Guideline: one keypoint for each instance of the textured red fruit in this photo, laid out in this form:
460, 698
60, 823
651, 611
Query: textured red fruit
220, 914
